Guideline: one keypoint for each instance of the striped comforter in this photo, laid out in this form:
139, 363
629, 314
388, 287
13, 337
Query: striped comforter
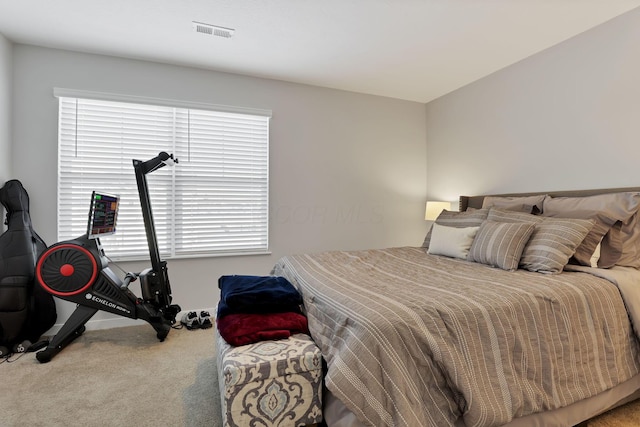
412, 339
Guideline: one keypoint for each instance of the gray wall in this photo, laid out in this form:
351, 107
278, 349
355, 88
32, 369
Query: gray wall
347, 170
5, 108
567, 118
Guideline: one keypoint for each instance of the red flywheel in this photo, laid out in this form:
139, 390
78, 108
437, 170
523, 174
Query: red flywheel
66, 269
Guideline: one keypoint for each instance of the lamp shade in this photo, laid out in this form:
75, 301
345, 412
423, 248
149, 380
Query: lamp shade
434, 209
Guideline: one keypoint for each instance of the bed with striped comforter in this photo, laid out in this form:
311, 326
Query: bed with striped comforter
412, 339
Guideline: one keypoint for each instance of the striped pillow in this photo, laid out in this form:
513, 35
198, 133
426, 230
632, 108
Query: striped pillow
623, 207
605, 226
553, 242
500, 244
469, 218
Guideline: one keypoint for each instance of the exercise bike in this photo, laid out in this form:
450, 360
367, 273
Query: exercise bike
78, 271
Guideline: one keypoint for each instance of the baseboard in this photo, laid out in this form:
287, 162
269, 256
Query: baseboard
119, 322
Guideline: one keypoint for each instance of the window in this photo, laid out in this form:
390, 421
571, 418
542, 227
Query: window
214, 201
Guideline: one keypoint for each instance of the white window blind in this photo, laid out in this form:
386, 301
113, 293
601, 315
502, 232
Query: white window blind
214, 201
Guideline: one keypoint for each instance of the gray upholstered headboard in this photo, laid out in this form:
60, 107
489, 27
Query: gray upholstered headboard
476, 201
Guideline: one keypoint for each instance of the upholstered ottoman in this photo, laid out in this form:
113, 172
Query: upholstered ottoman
276, 382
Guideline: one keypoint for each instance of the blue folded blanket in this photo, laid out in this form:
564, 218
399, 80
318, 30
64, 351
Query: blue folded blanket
257, 294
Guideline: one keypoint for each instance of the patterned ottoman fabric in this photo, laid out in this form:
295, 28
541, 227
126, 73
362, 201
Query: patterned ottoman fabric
270, 383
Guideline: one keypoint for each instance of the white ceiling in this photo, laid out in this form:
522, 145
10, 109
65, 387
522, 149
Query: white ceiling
409, 49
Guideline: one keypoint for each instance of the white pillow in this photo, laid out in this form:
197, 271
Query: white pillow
595, 257
451, 241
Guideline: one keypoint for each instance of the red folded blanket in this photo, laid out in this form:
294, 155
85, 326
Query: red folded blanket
246, 328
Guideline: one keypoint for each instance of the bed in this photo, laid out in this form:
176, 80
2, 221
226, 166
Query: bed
521, 309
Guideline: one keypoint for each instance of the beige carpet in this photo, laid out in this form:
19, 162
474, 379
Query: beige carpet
126, 377
116, 377
625, 416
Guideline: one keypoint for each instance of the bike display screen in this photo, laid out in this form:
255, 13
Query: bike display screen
103, 214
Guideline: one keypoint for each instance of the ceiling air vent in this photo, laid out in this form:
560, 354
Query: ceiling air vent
213, 30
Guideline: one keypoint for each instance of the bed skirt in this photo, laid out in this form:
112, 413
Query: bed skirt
337, 415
